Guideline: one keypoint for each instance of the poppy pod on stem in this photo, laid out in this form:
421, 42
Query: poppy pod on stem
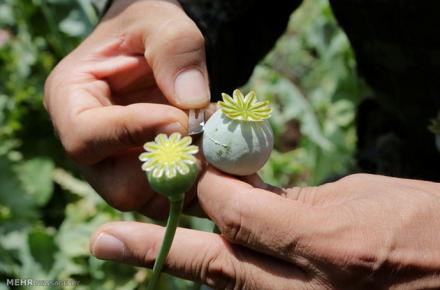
171, 170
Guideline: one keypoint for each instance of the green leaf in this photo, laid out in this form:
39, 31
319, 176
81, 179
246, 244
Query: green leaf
42, 247
13, 194
6, 15
36, 177
74, 24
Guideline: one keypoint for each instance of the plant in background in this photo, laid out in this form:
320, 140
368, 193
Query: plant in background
238, 139
435, 128
171, 170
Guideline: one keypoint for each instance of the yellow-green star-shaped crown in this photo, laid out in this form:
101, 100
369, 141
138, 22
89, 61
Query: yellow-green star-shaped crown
168, 155
245, 108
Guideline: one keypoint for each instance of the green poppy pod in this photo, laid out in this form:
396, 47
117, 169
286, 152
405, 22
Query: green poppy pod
170, 165
238, 139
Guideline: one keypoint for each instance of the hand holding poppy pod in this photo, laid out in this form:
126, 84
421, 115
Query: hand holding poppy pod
118, 89
246, 143
360, 232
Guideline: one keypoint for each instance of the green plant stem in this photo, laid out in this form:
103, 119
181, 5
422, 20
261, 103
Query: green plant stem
61, 46
216, 230
173, 219
196, 286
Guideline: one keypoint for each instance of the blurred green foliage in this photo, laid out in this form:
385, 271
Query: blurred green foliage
310, 77
47, 212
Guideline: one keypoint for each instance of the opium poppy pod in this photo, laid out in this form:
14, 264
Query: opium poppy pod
171, 170
170, 165
238, 139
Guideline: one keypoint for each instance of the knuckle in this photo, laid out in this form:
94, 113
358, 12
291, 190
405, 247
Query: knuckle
51, 78
177, 38
357, 178
151, 253
128, 136
362, 258
363, 254
74, 147
106, 228
52, 83
220, 271
47, 86
57, 74
231, 220
183, 30
307, 195
352, 183
77, 146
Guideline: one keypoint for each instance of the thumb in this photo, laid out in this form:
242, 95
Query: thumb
176, 53
195, 255
174, 49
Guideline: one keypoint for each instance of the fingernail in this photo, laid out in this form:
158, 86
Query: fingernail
171, 128
108, 247
191, 89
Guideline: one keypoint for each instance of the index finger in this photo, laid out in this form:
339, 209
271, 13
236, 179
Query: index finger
258, 219
90, 126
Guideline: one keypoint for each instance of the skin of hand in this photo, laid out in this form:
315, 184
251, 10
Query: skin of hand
361, 232
128, 81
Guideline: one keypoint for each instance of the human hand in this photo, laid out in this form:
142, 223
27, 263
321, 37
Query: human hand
361, 232
120, 88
